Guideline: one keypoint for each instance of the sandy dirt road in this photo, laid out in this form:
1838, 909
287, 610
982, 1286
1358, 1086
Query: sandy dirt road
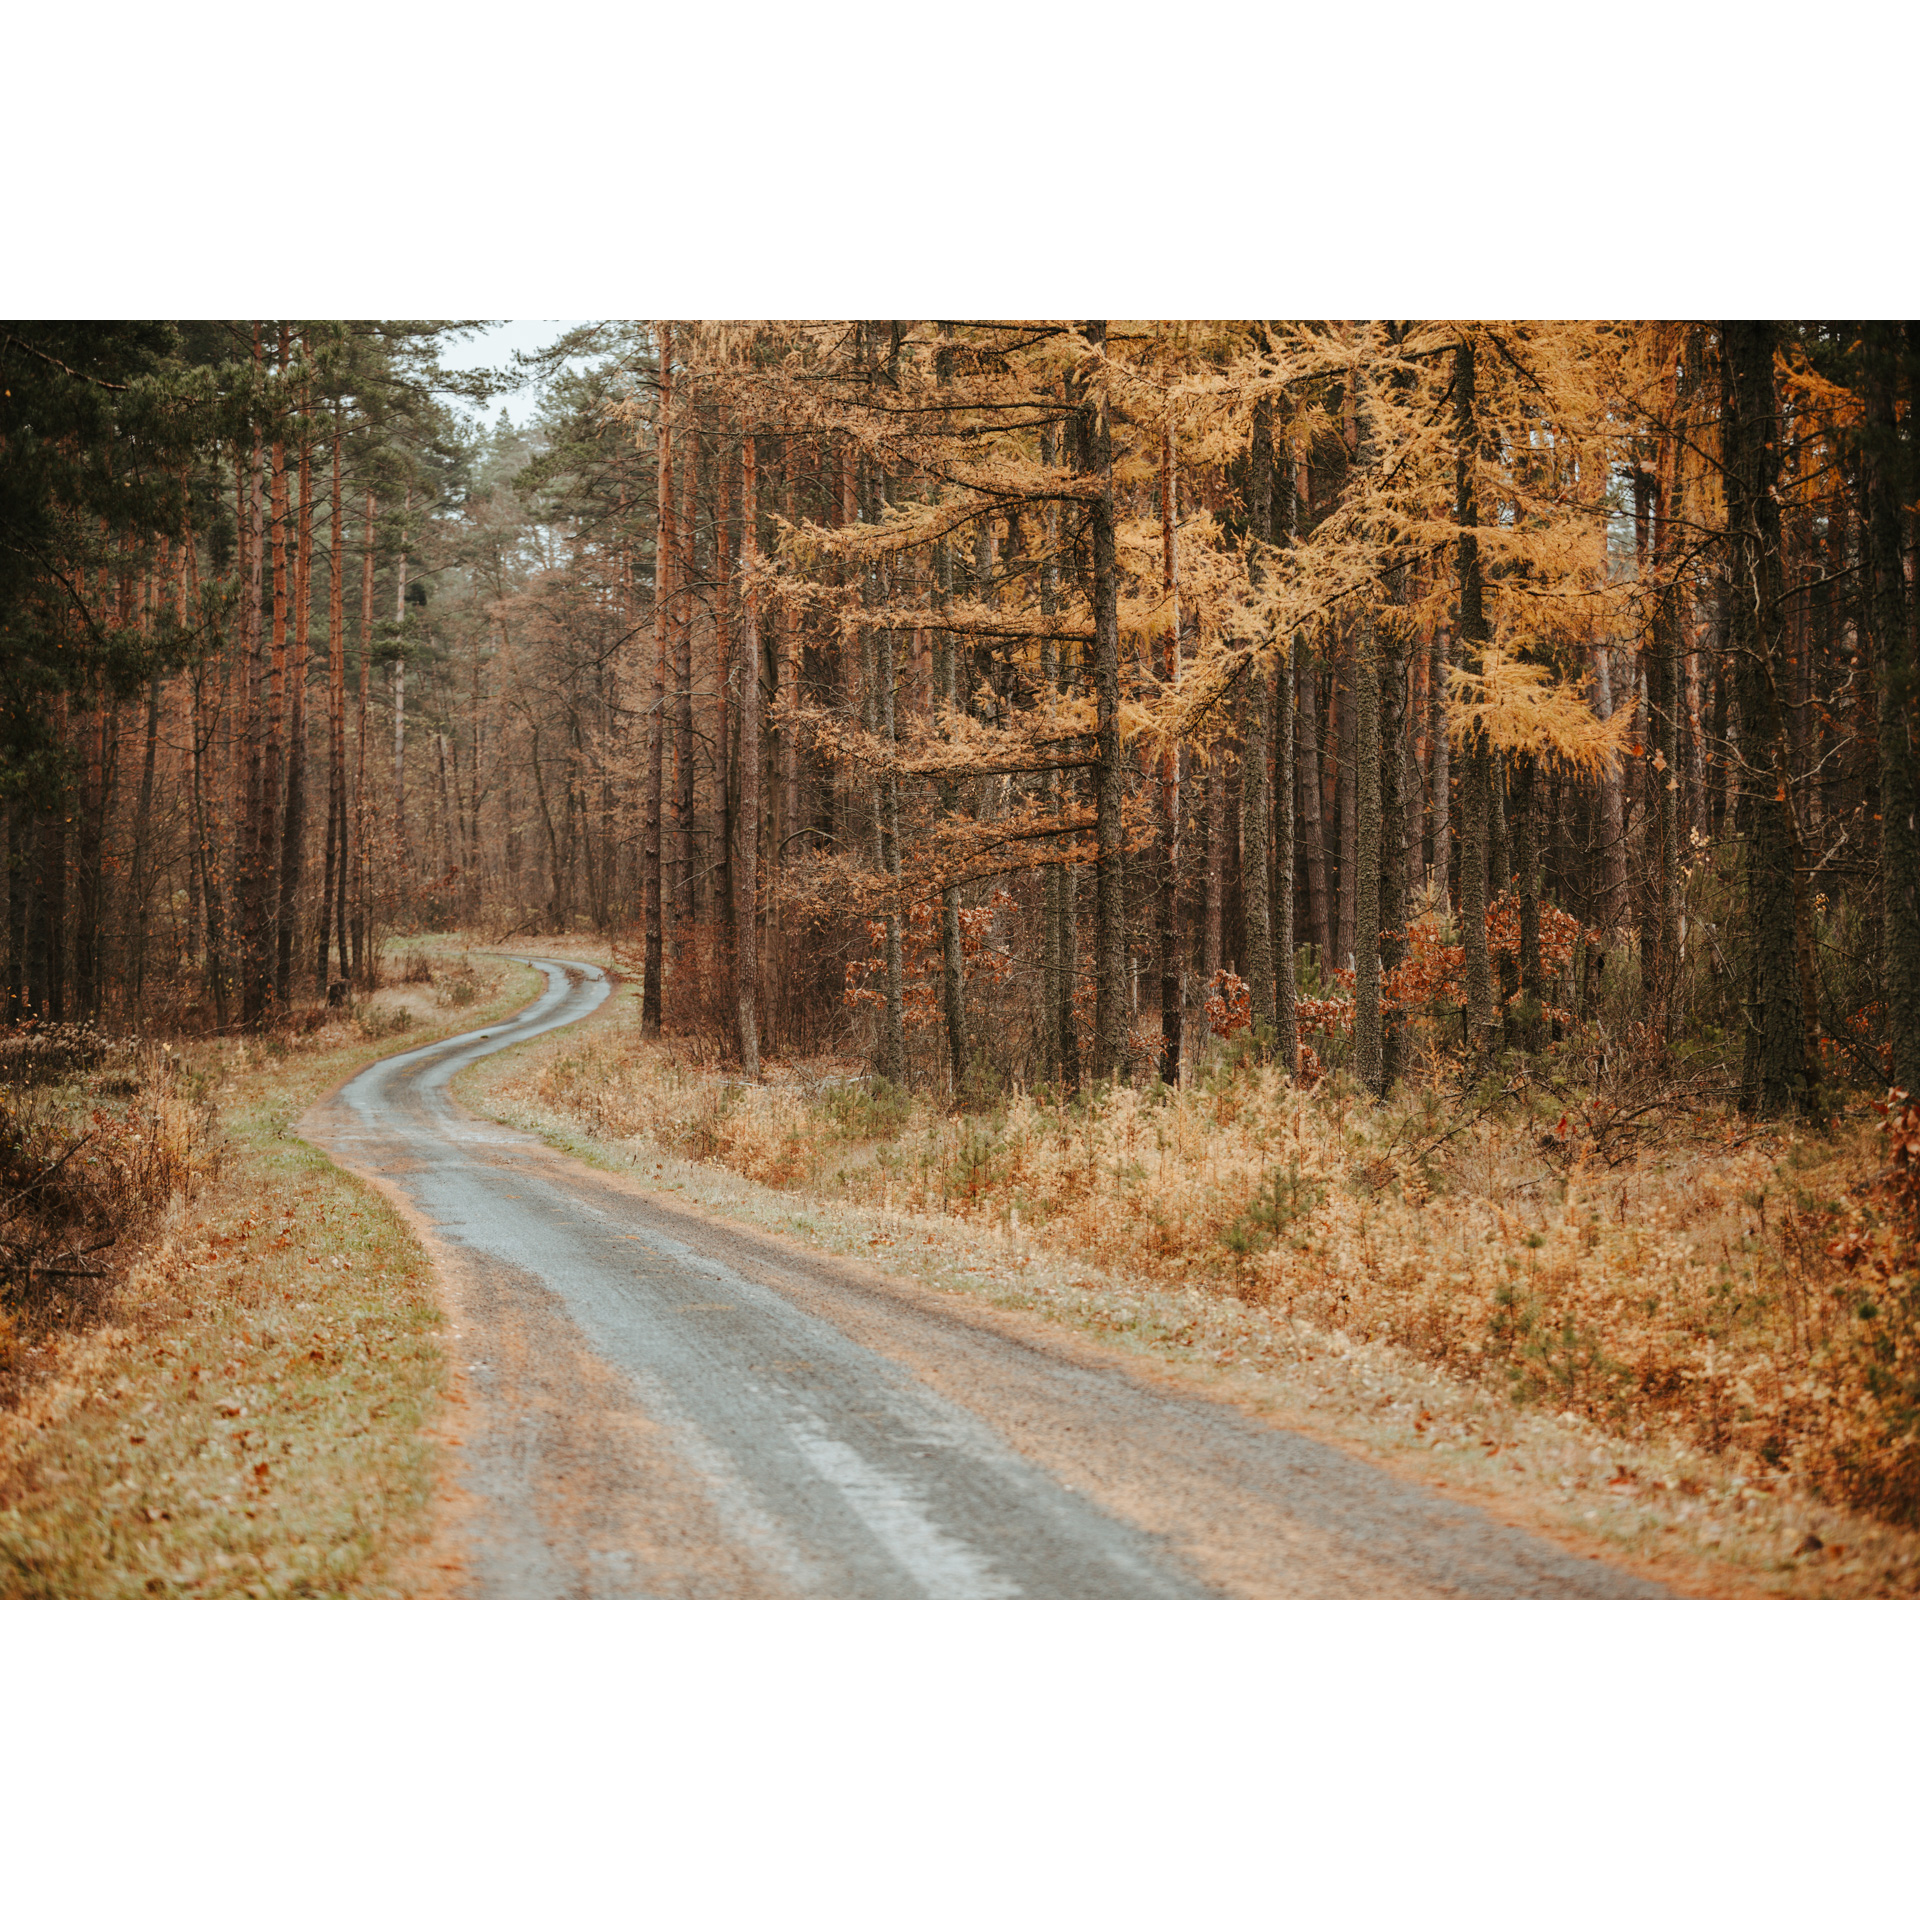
652, 1403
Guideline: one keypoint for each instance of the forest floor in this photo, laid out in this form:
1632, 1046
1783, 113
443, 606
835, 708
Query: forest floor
245, 1413
925, 1195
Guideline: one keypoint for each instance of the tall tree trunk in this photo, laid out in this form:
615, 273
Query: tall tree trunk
746, 938
256, 838
47, 988
1062, 942
723, 458
946, 671
1483, 1020
1360, 876
685, 573
1440, 771
1613, 817
1256, 829
206, 849
1094, 457
1307, 805
953, 1005
1289, 669
789, 650
893, 1051
142, 822
1342, 738
1398, 787
1653, 517
363, 958
1525, 787
1777, 1071
664, 550
293, 832
402, 852
1897, 691
1169, 929
274, 777
19, 1002
336, 727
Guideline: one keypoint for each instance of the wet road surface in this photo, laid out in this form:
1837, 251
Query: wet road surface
659, 1404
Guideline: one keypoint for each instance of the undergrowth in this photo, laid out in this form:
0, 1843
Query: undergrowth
98, 1137
1590, 1235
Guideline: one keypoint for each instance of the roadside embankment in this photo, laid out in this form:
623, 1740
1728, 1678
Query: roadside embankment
242, 1407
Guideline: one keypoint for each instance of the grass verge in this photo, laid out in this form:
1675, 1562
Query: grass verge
245, 1413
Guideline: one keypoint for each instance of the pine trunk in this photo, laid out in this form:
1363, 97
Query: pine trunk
357, 858
401, 852
1776, 1071
252, 856
746, 938
293, 832
1483, 1020
685, 573
1169, 929
1094, 446
1897, 689
1062, 960
1440, 773
335, 868
664, 549
1256, 827
1360, 880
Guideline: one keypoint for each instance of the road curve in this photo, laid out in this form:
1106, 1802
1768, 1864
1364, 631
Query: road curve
657, 1404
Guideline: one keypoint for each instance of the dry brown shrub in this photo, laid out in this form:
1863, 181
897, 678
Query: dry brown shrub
1642, 1259
1859, 1411
97, 1138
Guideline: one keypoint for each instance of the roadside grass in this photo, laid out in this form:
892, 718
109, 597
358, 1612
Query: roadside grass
244, 1413
1397, 1279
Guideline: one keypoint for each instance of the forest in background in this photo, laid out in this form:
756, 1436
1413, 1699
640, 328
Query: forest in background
1010, 706
1005, 702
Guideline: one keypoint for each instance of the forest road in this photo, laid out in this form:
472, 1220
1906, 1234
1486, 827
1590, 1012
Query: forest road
651, 1403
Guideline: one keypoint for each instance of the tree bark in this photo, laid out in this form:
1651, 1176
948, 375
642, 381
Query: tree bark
686, 571
401, 851
1312, 832
664, 549
1360, 878
293, 832
333, 890
1776, 1071
1525, 787
1613, 817
1483, 1020
746, 938
1440, 772
1094, 448
1896, 690
1062, 944
1169, 929
363, 958
254, 837
1256, 828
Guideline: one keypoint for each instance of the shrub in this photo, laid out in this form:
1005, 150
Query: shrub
876, 1111
83, 1172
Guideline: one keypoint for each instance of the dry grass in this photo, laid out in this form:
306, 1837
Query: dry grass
98, 1138
244, 1412
1638, 1312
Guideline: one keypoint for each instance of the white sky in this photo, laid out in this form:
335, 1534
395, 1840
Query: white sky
496, 348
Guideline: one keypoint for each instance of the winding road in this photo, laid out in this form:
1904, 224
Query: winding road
653, 1403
